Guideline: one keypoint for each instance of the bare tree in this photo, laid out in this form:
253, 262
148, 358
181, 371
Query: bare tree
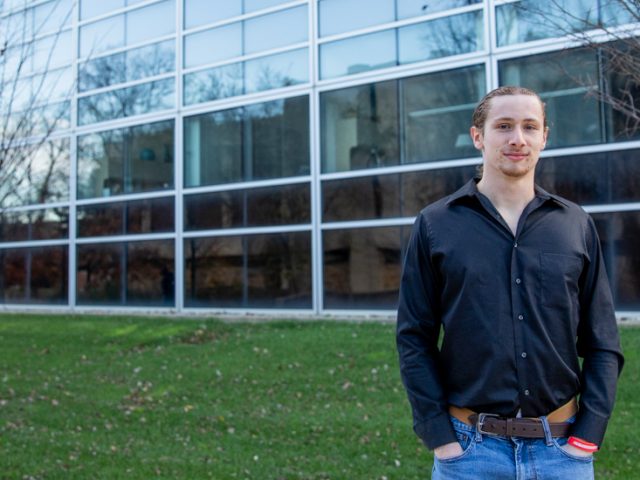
610, 28
35, 87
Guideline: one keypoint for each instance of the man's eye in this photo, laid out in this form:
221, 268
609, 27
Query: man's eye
503, 126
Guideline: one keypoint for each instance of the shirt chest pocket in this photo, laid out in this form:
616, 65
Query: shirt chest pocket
559, 280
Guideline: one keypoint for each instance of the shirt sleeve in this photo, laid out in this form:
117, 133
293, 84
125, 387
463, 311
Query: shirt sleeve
418, 328
598, 344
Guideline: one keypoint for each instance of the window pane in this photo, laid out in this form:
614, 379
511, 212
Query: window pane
283, 205
102, 36
623, 87
358, 54
254, 271
253, 5
447, 36
276, 30
34, 275
387, 196
563, 80
51, 223
414, 8
267, 140
200, 12
126, 102
36, 174
206, 47
91, 8
136, 159
359, 127
52, 52
214, 83
338, 16
437, 114
619, 233
362, 267
132, 273
589, 179
53, 16
154, 215
150, 22
150, 277
127, 66
528, 20
275, 71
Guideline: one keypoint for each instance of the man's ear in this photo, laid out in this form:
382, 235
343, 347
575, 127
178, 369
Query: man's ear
545, 136
476, 136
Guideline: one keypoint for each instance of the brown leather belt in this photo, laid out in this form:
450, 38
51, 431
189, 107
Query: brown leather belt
518, 427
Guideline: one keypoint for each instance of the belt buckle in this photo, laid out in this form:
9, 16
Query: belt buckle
480, 422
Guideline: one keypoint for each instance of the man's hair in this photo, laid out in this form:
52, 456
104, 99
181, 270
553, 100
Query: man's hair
482, 110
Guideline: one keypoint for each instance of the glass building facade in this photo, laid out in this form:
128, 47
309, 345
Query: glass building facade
270, 156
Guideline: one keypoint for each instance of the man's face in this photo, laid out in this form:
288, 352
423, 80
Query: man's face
513, 136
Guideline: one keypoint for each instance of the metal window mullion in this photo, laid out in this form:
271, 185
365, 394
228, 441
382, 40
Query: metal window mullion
178, 166
317, 288
72, 260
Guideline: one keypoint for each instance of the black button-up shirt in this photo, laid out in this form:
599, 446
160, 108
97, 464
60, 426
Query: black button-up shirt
517, 313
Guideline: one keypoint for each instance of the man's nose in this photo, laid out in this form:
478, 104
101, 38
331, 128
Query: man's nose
517, 136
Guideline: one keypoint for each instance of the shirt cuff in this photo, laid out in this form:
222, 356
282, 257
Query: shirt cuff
436, 431
590, 427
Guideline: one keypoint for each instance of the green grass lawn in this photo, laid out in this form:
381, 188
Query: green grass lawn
139, 398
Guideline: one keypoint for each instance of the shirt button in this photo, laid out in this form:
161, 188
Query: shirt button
518, 281
523, 354
520, 317
526, 392
515, 245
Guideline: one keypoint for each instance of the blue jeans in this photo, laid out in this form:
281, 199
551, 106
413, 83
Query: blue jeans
495, 457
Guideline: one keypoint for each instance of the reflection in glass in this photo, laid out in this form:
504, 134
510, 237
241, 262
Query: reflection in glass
252, 271
128, 160
129, 273
528, 20
358, 54
35, 173
359, 127
619, 233
266, 140
126, 102
52, 16
389, 196
206, 47
437, 114
596, 178
91, 8
153, 215
253, 5
127, 66
443, 37
128, 28
266, 31
45, 224
282, 205
264, 73
414, 8
339, 16
213, 84
34, 275
563, 80
201, 12
102, 36
275, 71
154, 21
362, 267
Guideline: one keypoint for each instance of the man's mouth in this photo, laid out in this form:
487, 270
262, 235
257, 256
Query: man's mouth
516, 155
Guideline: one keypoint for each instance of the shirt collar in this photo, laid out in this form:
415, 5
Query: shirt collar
470, 189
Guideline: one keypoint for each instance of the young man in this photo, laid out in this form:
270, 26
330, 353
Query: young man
515, 277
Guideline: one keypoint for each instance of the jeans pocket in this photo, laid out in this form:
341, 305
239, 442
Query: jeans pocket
466, 441
559, 443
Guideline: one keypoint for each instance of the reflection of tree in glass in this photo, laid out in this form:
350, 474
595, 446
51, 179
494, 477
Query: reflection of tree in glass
34, 104
619, 64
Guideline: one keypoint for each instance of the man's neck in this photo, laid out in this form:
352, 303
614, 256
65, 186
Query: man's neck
509, 196
507, 192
